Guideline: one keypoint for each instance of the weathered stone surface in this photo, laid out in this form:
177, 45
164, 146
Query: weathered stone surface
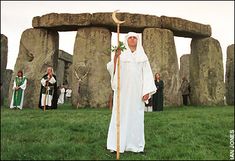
7, 80
64, 60
68, 75
60, 72
38, 50
184, 66
65, 56
4, 52
62, 22
185, 28
133, 22
206, 72
229, 76
91, 54
160, 48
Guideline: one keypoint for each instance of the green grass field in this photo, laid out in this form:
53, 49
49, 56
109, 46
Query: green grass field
179, 133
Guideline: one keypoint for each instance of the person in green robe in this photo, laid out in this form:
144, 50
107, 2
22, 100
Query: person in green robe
19, 87
157, 98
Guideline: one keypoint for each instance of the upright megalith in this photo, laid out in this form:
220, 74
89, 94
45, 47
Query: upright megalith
7, 80
64, 61
229, 76
91, 54
184, 66
160, 48
4, 52
206, 72
38, 50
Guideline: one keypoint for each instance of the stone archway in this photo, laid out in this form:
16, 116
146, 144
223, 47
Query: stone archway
93, 40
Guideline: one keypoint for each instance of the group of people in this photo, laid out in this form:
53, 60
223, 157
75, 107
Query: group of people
155, 103
49, 96
63, 94
136, 88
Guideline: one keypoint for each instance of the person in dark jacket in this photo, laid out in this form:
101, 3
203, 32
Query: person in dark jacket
185, 90
157, 99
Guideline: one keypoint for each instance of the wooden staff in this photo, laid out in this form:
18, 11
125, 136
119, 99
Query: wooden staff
118, 22
44, 108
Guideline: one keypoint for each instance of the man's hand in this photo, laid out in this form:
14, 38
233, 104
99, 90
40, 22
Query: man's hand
118, 52
146, 97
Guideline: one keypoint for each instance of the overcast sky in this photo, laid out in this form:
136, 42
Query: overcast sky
17, 17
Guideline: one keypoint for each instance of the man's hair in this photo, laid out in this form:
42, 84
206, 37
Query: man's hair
20, 71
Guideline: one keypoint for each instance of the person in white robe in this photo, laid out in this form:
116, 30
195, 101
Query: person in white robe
61, 97
68, 94
136, 87
19, 87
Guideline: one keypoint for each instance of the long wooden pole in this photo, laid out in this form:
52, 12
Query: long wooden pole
118, 97
118, 22
45, 98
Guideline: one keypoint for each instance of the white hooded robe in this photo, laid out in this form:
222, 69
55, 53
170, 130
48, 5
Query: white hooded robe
136, 80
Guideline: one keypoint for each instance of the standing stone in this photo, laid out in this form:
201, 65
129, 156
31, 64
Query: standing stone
68, 75
60, 72
160, 48
64, 60
38, 50
7, 80
206, 72
91, 53
229, 77
184, 66
4, 52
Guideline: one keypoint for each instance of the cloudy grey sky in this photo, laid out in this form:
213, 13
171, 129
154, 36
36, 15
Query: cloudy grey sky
17, 17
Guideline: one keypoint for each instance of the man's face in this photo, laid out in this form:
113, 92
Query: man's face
19, 74
132, 41
49, 71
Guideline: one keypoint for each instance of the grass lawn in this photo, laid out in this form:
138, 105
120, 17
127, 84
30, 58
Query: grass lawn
179, 133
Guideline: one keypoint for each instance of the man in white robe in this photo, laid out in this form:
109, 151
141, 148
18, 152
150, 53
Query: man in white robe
136, 87
19, 87
61, 97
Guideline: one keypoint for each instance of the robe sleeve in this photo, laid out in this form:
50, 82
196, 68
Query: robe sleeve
43, 82
149, 86
23, 86
110, 68
52, 80
14, 85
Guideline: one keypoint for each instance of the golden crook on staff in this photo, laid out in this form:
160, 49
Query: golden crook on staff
118, 22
